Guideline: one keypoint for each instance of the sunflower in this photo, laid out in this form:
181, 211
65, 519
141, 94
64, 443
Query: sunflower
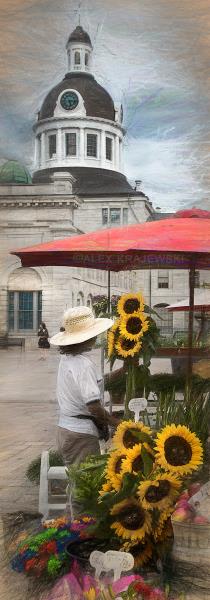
112, 336
130, 303
114, 469
132, 327
178, 449
133, 462
125, 347
125, 436
142, 552
132, 521
160, 492
106, 487
163, 525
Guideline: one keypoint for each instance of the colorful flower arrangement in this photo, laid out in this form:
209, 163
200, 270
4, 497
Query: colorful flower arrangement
141, 482
85, 587
45, 552
133, 335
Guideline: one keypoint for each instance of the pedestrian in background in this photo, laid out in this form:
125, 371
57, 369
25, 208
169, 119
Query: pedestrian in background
43, 342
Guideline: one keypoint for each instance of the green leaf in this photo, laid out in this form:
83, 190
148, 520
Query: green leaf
147, 460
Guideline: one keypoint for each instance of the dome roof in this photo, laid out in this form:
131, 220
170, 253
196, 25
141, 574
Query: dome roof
79, 35
98, 102
12, 172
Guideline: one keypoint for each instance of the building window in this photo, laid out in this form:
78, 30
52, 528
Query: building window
24, 311
52, 145
104, 216
163, 279
115, 215
108, 148
80, 299
71, 144
125, 216
86, 59
91, 145
197, 279
77, 58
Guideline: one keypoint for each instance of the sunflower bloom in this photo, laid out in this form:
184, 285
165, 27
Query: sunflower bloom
132, 522
133, 462
160, 492
125, 347
178, 449
163, 524
132, 327
126, 434
141, 552
114, 469
106, 487
130, 303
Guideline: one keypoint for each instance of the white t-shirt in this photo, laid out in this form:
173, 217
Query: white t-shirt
77, 385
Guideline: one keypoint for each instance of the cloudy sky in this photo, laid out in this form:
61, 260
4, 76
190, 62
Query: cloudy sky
153, 55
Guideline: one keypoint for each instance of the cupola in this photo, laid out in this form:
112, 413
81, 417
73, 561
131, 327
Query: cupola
79, 51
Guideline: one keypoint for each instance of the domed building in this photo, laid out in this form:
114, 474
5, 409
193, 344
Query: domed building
78, 185
79, 128
12, 172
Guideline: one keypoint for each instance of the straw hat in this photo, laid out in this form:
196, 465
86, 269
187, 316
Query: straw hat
79, 325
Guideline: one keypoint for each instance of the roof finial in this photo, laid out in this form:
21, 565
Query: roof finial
79, 11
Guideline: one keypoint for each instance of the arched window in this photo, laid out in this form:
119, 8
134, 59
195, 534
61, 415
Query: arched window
80, 299
89, 300
77, 58
86, 59
165, 320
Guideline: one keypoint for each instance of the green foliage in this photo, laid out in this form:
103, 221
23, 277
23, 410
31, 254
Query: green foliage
193, 411
33, 470
87, 481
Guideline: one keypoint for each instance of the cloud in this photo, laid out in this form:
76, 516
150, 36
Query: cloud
153, 55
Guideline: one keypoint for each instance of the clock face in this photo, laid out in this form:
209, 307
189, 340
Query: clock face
69, 100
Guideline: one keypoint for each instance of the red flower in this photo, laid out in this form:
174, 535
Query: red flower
142, 588
30, 564
51, 547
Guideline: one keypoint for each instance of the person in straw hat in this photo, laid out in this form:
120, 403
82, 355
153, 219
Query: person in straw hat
78, 391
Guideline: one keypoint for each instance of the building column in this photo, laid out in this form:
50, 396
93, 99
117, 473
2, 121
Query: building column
43, 149
117, 153
37, 152
59, 149
103, 148
82, 145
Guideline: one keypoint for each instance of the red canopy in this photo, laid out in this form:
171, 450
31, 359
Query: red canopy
176, 243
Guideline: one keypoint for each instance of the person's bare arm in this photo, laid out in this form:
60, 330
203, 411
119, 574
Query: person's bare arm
101, 414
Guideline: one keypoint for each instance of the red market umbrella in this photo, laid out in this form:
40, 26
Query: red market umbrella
181, 242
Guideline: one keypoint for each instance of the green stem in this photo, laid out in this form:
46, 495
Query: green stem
130, 387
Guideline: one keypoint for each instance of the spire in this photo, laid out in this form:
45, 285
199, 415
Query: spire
79, 50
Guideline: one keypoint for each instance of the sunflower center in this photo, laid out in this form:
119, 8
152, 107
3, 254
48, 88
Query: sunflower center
131, 305
118, 464
137, 464
127, 344
156, 493
134, 325
132, 517
177, 451
129, 438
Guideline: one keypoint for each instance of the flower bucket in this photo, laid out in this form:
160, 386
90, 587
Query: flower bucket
191, 553
80, 551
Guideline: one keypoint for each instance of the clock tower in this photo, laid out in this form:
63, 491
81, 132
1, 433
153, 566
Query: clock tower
79, 127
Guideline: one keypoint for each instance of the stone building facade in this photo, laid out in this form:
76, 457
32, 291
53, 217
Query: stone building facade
77, 186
